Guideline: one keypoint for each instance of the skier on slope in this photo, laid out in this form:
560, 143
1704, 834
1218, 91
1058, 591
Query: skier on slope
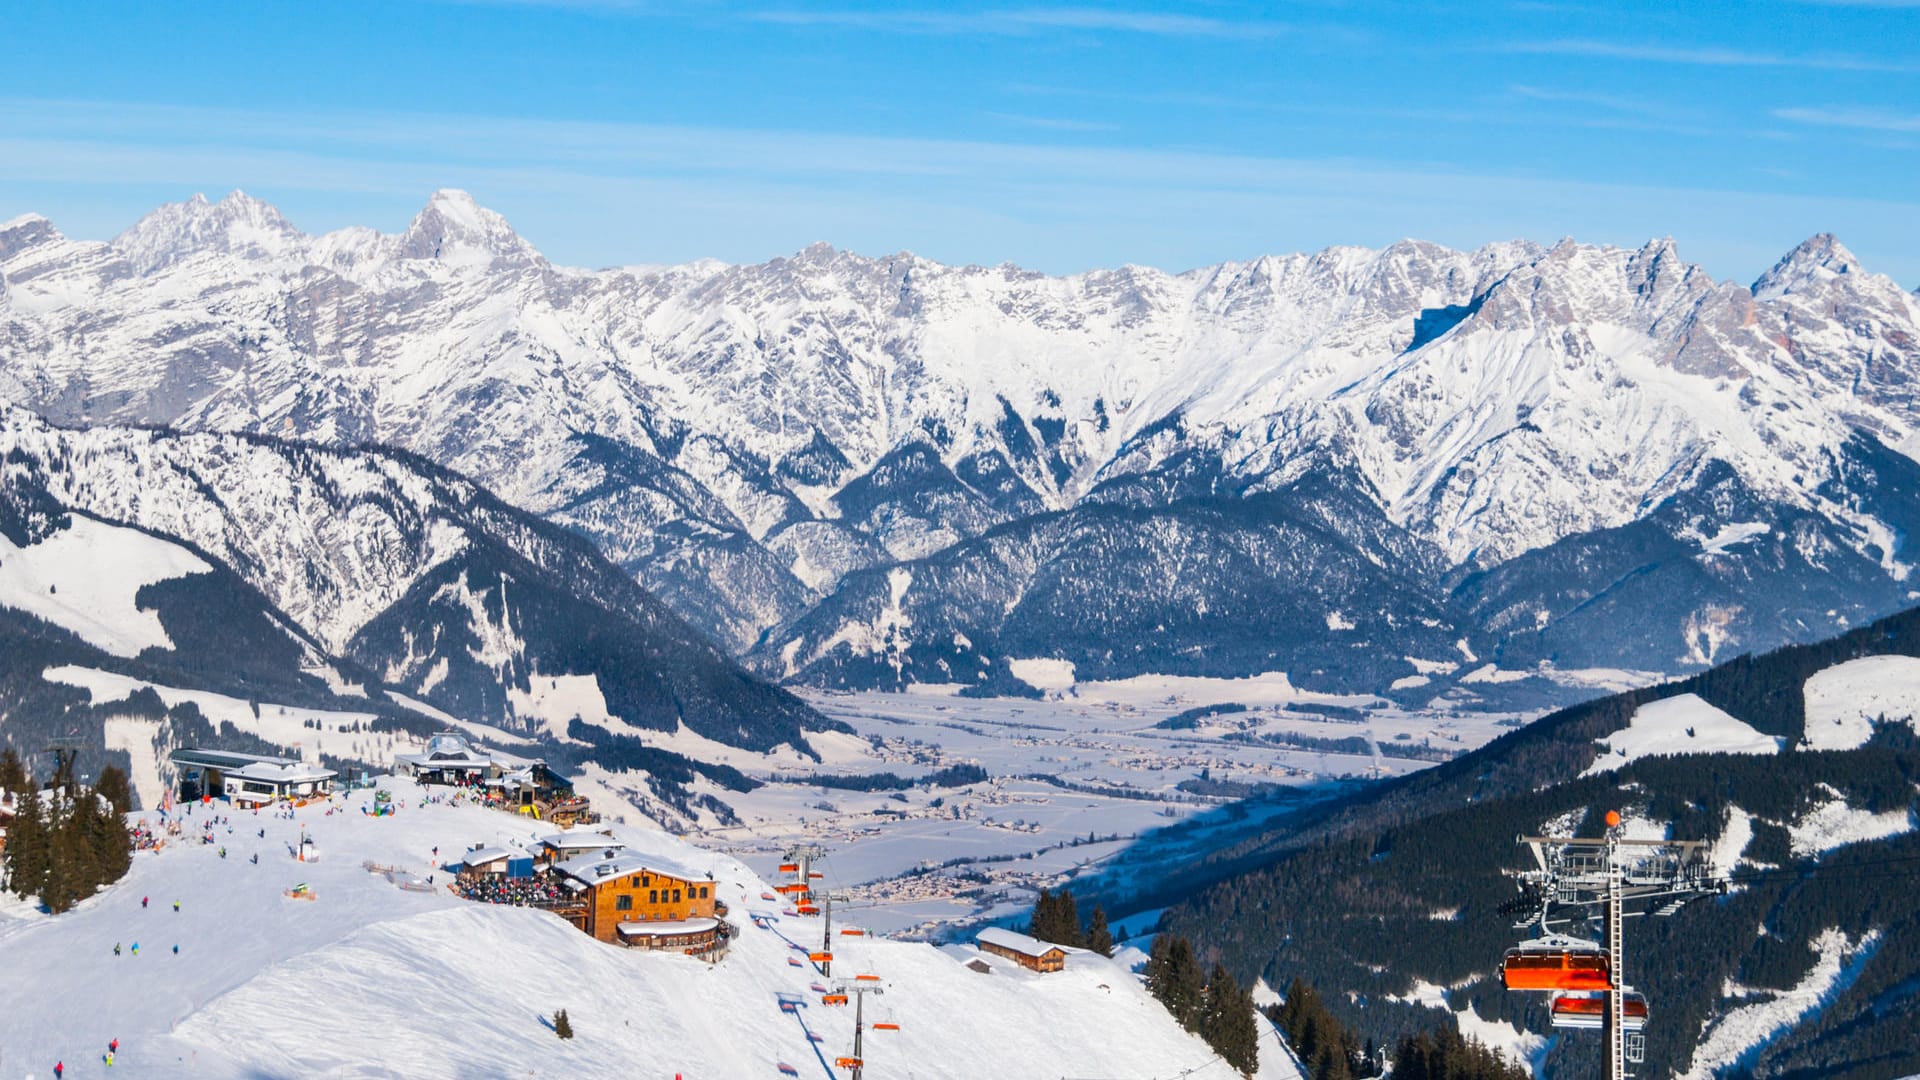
143, 903
59, 1069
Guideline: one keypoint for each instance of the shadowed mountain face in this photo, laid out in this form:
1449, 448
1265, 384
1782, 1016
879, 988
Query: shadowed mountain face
769, 448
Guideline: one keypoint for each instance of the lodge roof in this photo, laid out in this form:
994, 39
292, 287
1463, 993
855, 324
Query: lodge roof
604, 865
483, 856
1020, 943
581, 840
453, 750
280, 770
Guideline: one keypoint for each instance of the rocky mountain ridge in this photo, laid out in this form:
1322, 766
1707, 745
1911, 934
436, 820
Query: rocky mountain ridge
759, 445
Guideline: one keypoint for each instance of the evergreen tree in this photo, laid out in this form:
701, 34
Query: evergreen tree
28, 847
105, 849
1099, 938
13, 772
113, 787
1174, 977
1229, 1026
1068, 917
561, 1025
1056, 919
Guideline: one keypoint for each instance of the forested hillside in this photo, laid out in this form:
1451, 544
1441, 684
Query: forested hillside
1809, 966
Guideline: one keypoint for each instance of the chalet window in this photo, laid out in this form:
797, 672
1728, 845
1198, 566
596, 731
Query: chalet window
623, 902
653, 896
676, 896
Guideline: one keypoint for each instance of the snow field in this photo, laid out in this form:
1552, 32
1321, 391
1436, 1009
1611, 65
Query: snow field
370, 980
1844, 700
1684, 724
85, 577
283, 725
1742, 1032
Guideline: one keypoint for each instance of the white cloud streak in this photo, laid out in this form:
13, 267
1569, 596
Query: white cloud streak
1023, 21
605, 193
1870, 119
1701, 56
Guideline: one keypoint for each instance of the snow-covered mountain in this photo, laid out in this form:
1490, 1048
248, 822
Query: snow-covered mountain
747, 440
258, 567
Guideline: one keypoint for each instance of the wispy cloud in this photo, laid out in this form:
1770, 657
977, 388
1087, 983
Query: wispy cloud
1025, 21
1052, 123
1871, 119
1702, 55
602, 193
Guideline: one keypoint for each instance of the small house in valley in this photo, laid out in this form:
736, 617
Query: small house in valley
1028, 952
248, 779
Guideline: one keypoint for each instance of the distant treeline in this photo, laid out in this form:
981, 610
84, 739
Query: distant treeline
1190, 718
952, 776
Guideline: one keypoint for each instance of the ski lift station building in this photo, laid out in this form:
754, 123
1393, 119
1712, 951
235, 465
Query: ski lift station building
1028, 952
452, 758
248, 779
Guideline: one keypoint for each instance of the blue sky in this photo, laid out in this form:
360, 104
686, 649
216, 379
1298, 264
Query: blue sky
1058, 136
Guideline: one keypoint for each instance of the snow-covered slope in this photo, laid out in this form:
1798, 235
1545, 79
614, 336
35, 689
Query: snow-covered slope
371, 980
741, 437
411, 573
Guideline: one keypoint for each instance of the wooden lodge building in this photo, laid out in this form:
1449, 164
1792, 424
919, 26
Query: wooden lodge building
643, 901
1030, 953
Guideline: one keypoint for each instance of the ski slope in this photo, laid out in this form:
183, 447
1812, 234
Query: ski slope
370, 980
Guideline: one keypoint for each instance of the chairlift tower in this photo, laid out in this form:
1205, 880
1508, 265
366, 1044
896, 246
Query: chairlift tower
64, 754
858, 988
1613, 873
801, 858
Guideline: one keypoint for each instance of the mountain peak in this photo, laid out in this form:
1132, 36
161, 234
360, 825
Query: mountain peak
455, 230
236, 225
1817, 259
